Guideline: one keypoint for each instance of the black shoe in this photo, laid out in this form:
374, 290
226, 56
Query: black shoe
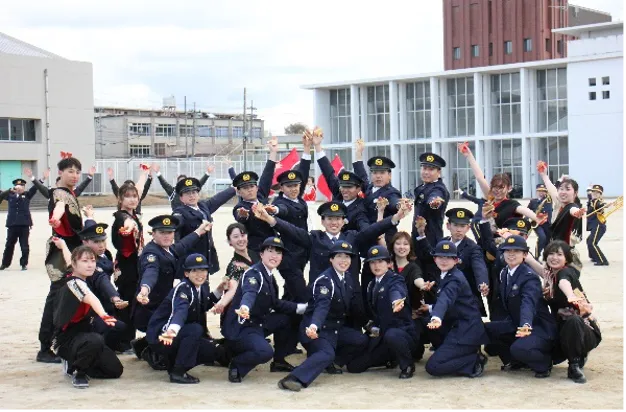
601, 264
480, 366
23, 267
575, 372
542, 375
183, 378
233, 374
289, 383
155, 361
281, 366
138, 345
3, 267
583, 361
392, 364
407, 373
514, 366
80, 380
47, 356
333, 370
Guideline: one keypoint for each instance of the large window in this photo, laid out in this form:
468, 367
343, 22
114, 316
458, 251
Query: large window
372, 151
461, 173
167, 130
551, 100
340, 123
413, 168
185, 131
461, 107
17, 130
418, 110
344, 154
554, 151
237, 131
507, 158
139, 150
506, 116
256, 132
378, 121
141, 129
159, 149
221, 131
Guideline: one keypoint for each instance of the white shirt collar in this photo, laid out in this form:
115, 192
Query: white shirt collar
340, 275
443, 275
348, 202
269, 271
375, 189
512, 271
333, 236
378, 280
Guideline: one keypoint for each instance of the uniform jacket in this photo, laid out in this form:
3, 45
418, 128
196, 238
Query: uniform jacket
258, 291
379, 300
19, 208
171, 192
424, 194
592, 206
546, 208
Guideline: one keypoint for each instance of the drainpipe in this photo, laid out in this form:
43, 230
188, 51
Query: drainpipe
47, 128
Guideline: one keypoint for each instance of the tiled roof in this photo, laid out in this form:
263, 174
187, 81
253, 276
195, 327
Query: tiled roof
11, 45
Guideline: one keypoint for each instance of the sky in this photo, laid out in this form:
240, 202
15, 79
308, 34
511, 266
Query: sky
208, 51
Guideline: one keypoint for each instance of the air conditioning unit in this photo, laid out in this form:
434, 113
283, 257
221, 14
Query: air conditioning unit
95, 187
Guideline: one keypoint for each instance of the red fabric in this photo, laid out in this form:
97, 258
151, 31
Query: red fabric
128, 245
322, 185
81, 312
286, 163
64, 229
400, 269
309, 194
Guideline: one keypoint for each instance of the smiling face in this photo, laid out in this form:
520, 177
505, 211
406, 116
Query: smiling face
429, 174
271, 257
349, 192
291, 190
190, 198
197, 276
445, 263
381, 178
514, 257
238, 240
567, 193
379, 267
401, 247
248, 192
333, 224
341, 262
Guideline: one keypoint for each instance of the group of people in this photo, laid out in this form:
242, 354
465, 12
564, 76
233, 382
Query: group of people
374, 296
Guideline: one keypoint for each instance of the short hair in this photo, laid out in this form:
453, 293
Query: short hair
312, 179
557, 245
82, 250
407, 236
231, 228
58, 178
181, 177
69, 162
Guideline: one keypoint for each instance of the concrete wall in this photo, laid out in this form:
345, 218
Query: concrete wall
70, 84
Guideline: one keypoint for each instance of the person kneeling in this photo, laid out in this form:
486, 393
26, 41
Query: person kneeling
177, 329
83, 351
457, 311
322, 330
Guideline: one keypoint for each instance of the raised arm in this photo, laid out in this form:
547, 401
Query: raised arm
478, 173
542, 168
86, 182
164, 183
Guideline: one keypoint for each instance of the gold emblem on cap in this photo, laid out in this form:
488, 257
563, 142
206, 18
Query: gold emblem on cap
378, 162
167, 221
99, 230
198, 258
460, 214
188, 182
276, 240
430, 158
345, 176
291, 175
334, 207
520, 223
374, 251
510, 240
344, 245
246, 177
445, 247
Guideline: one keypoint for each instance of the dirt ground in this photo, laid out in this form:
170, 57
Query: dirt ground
25, 383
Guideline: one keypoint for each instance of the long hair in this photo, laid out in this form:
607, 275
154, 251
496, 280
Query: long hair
577, 229
403, 235
501, 179
125, 190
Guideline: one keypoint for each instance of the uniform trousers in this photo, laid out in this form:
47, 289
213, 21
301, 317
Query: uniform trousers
576, 339
453, 359
189, 348
596, 233
543, 235
46, 328
87, 353
395, 344
13, 234
127, 288
533, 350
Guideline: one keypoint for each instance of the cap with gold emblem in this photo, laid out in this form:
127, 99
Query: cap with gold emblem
341, 247
541, 187
514, 242
432, 160
377, 253
517, 223
445, 248
274, 242
349, 179
19, 182
165, 223
594, 188
380, 163
459, 215
94, 232
189, 184
288, 177
332, 209
245, 179
196, 261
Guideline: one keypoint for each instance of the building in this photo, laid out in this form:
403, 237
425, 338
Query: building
512, 116
167, 132
46, 106
481, 33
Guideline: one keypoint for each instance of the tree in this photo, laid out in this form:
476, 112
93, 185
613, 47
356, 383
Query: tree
295, 128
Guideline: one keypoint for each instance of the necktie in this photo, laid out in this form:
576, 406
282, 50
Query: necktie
334, 239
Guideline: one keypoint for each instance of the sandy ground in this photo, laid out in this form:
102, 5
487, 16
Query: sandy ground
25, 383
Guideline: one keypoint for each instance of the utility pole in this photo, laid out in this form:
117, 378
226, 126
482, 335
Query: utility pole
186, 131
193, 142
245, 133
252, 109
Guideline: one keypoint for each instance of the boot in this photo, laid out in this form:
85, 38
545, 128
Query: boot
575, 372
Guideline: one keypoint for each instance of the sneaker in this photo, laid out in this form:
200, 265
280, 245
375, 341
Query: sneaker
80, 381
23, 267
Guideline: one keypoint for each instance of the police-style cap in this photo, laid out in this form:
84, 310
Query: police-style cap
188, 184
289, 176
459, 215
196, 261
94, 232
19, 182
517, 223
432, 160
445, 248
377, 253
165, 223
380, 163
341, 247
595, 188
272, 241
514, 242
332, 209
349, 179
245, 179
541, 186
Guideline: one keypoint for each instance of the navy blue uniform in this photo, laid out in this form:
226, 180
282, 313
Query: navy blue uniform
257, 229
478, 215
18, 226
597, 229
171, 193
495, 263
471, 264
543, 231
320, 245
424, 194
185, 307
523, 303
333, 300
398, 338
158, 268
258, 291
190, 219
461, 327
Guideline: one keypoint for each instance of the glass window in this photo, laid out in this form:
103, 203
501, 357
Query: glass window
606, 80
552, 100
167, 130
528, 45
461, 173
221, 131
4, 129
555, 151
592, 95
256, 132
592, 81
139, 150
185, 131
460, 102
505, 106
17, 131
237, 131
413, 168
456, 53
378, 119
508, 47
475, 50
418, 110
559, 46
340, 116
141, 129
29, 131
606, 94
490, 49
507, 155
548, 45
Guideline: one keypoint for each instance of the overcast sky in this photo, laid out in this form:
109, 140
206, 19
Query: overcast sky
144, 50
